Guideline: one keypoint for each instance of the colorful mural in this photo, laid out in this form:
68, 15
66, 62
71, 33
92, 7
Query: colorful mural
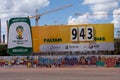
60, 61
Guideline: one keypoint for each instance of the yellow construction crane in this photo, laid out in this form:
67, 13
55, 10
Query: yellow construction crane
37, 16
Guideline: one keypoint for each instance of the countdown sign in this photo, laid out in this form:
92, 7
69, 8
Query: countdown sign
61, 38
82, 33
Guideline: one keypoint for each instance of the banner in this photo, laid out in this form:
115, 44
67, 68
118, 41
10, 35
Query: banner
84, 37
19, 36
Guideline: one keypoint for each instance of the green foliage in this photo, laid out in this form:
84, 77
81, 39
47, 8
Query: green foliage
3, 50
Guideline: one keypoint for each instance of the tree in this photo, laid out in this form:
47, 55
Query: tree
3, 50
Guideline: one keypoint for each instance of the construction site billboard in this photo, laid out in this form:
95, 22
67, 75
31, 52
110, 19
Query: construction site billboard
84, 37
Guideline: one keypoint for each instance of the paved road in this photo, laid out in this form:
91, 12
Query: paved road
60, 74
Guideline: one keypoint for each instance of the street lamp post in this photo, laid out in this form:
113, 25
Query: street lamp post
118, 34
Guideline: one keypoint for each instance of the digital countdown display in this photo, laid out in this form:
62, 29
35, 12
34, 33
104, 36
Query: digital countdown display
84, 37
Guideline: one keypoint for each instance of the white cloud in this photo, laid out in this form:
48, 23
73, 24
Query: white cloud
100, 15
97, 1
19, 8
87, 18
82, 19
116, 18
100, 10
104, 6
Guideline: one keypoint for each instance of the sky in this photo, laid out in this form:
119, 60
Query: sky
88, 12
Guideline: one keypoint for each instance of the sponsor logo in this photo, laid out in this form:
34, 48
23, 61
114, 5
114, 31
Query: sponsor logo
66, 46
71, 46
55, 47
93, 45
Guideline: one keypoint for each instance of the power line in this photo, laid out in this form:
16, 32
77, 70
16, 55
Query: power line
78, 14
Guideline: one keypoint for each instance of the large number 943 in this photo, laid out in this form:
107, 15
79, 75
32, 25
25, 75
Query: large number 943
82, 33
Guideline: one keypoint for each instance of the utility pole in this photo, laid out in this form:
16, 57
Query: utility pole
7, 30
118, 34
3, 38
0, 30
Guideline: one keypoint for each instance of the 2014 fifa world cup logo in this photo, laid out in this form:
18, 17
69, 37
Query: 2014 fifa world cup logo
19, 30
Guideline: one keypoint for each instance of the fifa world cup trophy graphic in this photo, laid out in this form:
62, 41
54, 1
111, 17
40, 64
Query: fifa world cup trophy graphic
19, 30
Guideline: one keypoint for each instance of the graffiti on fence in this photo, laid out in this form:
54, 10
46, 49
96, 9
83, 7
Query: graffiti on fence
58, 61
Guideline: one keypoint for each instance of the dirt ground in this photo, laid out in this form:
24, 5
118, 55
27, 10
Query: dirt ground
60, 74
